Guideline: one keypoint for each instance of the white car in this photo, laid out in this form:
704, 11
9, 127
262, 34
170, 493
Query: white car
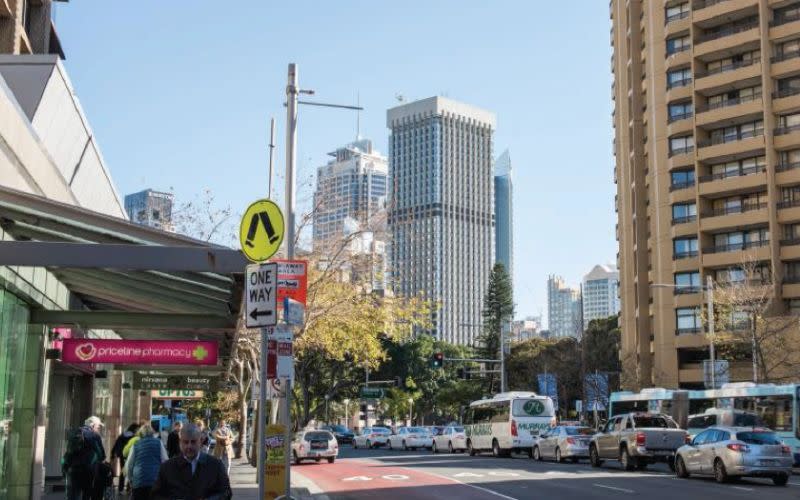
314, 445
372, 437
451, 439
411, 438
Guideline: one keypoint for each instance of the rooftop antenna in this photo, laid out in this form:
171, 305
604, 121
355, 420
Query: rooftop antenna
400, 97
358, 117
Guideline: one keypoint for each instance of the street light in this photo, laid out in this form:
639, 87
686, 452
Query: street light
347, 412
709, 289
327, 397
410, 410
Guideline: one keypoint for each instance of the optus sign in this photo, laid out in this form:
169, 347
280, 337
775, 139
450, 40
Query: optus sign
139, 352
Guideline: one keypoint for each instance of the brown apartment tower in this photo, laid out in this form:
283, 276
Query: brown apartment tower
707, 125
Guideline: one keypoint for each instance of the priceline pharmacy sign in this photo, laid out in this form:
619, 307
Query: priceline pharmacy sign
140, 352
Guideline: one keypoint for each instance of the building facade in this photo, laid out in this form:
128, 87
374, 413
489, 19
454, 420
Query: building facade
441, 214
526, 329
599, 294
707, 121
150, 208
504, 213
563, 308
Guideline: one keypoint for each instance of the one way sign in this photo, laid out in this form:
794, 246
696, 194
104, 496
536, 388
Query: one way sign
261, 288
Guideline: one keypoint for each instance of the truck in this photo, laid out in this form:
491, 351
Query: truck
636, 440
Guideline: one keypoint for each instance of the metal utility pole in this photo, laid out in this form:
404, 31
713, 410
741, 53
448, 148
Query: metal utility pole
271, 151
711, 333
502, 359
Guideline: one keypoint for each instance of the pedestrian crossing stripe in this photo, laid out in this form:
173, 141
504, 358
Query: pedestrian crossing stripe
261, 230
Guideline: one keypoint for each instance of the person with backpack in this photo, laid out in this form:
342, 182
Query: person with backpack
116, 451
84, 453
144, 462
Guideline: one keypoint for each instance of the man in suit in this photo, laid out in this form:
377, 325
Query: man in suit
192, 475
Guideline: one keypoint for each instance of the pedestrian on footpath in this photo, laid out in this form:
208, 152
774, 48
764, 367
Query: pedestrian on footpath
205, 442
174, 440
84, 453
116, 452
193, 475
223, 449
144, 462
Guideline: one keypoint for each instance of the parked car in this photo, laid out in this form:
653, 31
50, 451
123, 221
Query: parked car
636, 440
564, 441
452, 438
730, 452
718, 417
411, 438
372, 437
436, 430
314, 445
342, 433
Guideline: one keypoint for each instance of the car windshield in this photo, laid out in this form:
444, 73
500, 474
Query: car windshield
757, 437
318, 435
651, 421
339, 428
458, 429
579, 431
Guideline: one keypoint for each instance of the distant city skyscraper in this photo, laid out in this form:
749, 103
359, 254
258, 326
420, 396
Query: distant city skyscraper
350, 198
599, 293
441, 210
504, 213
563, 308
150, 208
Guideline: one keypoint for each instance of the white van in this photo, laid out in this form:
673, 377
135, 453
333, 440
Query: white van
507, 422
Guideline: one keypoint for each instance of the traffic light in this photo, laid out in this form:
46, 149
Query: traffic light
438, 359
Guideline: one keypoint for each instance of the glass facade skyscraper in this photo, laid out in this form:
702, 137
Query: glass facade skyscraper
504, 213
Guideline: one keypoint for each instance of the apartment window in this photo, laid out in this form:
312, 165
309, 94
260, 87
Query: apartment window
738, 168
734, 97
676, 12
687, 282
740, 240
786, 15
789, 160
688, 320
790, 197
728, 29
788, 123
791, 234
680, 110
684, 212
684, 247
678, 44
681, 145
787, 87
681, 179
738, 204
792, 274
793, 307
787, 50
736, 132
733, 62
730, 275
679, 77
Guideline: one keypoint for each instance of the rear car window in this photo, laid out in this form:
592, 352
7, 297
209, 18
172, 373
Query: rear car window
646, 421
318, 436
578, 431
756, 437
381, 430
419, 430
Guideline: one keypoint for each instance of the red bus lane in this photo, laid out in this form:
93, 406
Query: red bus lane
365, 480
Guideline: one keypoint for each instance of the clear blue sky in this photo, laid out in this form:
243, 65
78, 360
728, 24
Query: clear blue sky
179, 95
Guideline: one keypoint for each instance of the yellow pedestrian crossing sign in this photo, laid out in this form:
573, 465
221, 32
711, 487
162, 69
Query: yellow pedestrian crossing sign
261, 230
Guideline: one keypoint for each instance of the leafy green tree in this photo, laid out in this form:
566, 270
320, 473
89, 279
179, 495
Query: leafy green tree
498, 310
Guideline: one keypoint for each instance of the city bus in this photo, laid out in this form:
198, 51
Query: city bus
507, 422
778, 406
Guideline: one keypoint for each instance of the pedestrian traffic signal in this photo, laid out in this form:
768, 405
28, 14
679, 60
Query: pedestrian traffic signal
438, 360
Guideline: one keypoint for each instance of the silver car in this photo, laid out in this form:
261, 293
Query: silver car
728, 452
564, 441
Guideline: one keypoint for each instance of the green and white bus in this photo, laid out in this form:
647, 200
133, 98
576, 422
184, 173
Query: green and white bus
507, 422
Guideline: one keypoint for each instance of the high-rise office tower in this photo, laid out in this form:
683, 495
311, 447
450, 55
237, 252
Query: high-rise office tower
150, 208
563, 308
504, 213
599, 294
441, 210
350, 207
707, 119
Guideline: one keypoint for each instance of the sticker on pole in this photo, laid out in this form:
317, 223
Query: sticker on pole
261, 230
261, 287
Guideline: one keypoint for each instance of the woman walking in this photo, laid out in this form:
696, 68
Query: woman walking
144, 462
223, 449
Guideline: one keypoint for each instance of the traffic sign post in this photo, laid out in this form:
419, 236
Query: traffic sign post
261, 290
261, 230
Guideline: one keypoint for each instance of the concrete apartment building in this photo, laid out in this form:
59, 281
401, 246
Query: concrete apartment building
707, 125
504, 213
563, 308
599, 293
442, 210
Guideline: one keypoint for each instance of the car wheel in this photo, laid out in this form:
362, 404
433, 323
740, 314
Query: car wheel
318, 460
626, 460
780, 480
720, 474
559, 458
671, 464
331, 460
434, 448
369, 444
680, 468
594, 457
297, 459
470, 449
641, 465
495, 449
536, 454
450, 447
404, 445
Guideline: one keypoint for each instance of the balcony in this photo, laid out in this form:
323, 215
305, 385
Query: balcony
723, 41
785, 167
684, 255
786, 130
727, 67
686, 290
784, 26
728, 174
741, 180
681, 116
684, 220
788, 211
725, 139
678, 83
688, 331
784, 56
728, 103
789, 203
681, 185
731, 217
790, 249
735, 247
733, 30
676, 17
719, 79
725, 111
728, 146
681, 151
731, 255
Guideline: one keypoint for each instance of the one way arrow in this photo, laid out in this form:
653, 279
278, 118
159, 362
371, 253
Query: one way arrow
255, 313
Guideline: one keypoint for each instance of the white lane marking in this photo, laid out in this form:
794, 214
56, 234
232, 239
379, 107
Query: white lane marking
741, 488
796, 484
613, 488
504, 474
395, 477
467, 474
485, 490
357, 478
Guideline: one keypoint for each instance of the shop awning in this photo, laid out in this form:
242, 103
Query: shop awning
141, 282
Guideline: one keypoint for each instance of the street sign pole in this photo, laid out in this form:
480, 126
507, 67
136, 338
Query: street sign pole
262, 416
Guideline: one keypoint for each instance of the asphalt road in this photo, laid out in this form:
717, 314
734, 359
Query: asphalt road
397, 475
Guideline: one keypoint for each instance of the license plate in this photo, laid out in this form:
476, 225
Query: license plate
768, 462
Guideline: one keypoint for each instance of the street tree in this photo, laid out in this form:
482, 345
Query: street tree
498, 310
